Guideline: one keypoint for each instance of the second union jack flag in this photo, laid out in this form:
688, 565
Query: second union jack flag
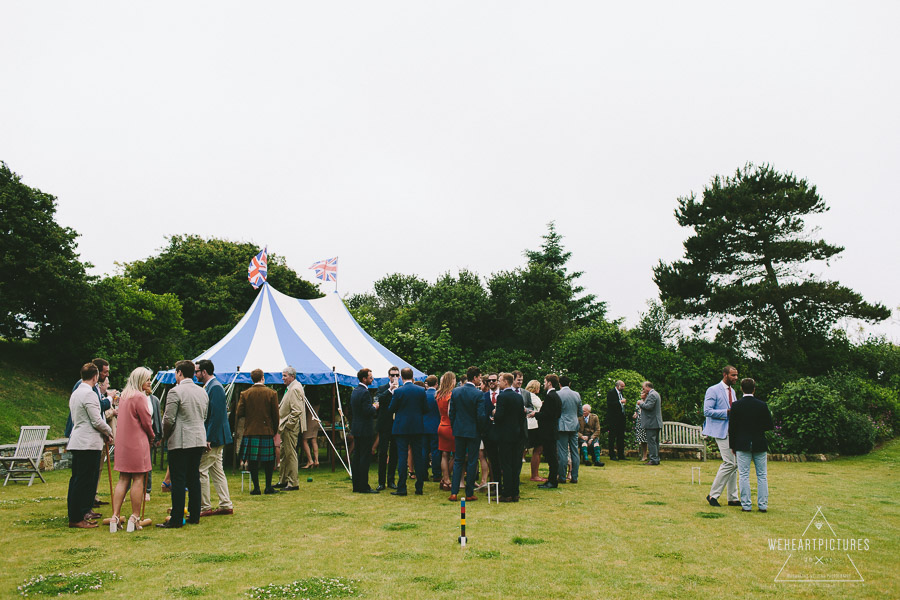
326, 270
258, 269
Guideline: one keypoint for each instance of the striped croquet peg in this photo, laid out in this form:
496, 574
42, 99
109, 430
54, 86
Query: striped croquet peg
462, 522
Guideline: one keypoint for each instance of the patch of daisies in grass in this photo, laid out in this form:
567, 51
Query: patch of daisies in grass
66, 583
309, 588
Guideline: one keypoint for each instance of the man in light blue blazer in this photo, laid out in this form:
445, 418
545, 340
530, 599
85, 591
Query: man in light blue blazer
716, 408
567, 440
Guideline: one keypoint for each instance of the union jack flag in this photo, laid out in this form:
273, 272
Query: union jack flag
326, 270
258, 269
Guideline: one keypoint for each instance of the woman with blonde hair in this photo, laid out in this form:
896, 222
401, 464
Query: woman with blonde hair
446, 441
134, 435
534, 440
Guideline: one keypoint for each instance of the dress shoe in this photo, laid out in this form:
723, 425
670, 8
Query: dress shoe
290, 488
560, 481
506, 499
207, 513
380, 488
92, 515
420, 493
453, 498
436, 479
270, 491
471, 498
83, 525
223, 511
600, 463
652, 463
392, 486
548, 486
762, 510
398, 493
713, 501
255, 492
168, 525
746, 510
573, 481
279, 485
515, 498
734, 503
368, 491
192, 522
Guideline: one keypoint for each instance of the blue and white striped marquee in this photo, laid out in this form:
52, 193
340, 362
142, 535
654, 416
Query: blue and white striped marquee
310, 335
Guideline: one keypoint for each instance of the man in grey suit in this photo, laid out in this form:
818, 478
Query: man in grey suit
184, 430
651, 421
567, 439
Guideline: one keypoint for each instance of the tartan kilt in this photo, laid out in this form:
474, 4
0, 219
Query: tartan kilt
258, 447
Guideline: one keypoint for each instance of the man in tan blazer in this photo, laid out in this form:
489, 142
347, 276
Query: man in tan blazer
588, 435
291, 423
184, 431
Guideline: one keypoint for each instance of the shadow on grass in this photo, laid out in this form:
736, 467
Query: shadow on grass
526, 541
398, 526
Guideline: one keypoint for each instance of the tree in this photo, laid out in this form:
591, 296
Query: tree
209, 277
744, 265
582, 309
41, 276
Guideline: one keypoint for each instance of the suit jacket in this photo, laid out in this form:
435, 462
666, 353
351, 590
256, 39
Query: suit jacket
571, 409
485, 423
463, 411
433, 416
408, 405
651, 411
749, 422
218, 432
715, 409
259, 407
186, 408
156, 417
591, 429
510, 425
363, 411
548, 417
385, 418
88, 424
292, 410
104, 406
615, 411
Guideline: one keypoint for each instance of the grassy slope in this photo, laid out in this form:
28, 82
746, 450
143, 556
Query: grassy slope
625, 531
28, 397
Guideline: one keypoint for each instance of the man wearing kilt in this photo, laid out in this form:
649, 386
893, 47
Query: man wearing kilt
259, 407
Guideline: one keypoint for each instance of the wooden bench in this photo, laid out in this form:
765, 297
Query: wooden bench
29, 451
682, 435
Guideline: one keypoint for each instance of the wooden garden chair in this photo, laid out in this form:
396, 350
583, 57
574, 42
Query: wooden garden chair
23, 465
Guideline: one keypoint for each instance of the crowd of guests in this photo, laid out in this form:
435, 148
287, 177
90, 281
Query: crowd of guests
458, 429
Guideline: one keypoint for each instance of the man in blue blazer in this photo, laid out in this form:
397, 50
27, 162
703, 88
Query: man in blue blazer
408, 405
430, 451
717, 408
218, 435
463, 413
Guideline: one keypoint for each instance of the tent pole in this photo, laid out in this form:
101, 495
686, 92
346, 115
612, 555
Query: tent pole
328, 439
237, 449
341, 412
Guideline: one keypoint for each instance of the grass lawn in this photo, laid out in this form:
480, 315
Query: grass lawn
625, 531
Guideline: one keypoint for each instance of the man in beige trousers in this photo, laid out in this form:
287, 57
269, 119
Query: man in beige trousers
291, 424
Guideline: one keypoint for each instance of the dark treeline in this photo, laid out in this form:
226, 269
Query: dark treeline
741, 287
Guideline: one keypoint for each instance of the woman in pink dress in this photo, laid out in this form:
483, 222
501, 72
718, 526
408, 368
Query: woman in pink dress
446, 441
134, 435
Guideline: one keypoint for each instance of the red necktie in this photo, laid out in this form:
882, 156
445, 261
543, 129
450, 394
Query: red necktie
494, 397
730, 398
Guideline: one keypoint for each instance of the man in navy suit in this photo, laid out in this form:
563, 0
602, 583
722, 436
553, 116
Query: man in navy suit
511, 428
218, 435
408, 405
430, 451
363, 429
463, 413
387, 446
717, 409
548, 429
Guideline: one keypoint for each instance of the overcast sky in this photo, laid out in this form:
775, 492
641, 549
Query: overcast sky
425, 137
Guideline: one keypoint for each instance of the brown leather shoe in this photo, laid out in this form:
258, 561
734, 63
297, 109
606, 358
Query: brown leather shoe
223, 511
207, 513
453, 498
506, 499
92, 515
83, 525
471, 498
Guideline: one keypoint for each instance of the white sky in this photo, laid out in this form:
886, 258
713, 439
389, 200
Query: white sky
427, 137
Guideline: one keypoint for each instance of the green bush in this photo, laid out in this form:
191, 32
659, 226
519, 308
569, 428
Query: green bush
808, 414
862, 395
856, 433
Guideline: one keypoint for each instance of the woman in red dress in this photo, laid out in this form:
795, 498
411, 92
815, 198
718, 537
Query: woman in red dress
446, 441
134, 434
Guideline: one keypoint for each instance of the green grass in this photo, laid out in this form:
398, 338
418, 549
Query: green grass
600, 538
30, 398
